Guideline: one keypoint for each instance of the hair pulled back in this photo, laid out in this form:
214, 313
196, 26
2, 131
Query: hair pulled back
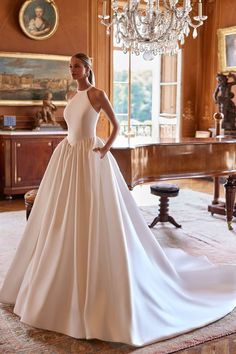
87, 63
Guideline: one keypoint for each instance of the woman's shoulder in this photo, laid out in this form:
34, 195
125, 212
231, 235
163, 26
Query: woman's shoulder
96, 90
70, 95
98, 93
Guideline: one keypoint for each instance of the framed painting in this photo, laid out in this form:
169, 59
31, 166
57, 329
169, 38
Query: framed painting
26, 78
227, 49
38, 18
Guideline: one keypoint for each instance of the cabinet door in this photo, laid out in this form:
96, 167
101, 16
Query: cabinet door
30, 158
57, 141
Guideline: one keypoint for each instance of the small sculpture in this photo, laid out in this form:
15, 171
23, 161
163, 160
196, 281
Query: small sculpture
46, 116
224, 98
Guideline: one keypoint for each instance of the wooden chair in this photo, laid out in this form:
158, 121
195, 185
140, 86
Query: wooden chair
29, 201
164, 191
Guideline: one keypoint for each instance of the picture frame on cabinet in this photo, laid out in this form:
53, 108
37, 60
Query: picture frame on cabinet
25, 78
38, 18
227, 49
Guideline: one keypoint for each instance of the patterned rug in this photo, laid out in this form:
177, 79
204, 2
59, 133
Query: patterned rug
201, 234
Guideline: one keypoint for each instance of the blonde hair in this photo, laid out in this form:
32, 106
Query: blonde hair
87, 63
39, 8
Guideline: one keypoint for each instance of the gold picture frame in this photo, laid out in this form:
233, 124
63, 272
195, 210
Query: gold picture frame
38, 18
227, 49
26, 77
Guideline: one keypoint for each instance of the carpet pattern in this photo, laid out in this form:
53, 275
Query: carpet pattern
201, 234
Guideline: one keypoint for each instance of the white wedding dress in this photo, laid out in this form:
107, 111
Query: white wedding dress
88, 266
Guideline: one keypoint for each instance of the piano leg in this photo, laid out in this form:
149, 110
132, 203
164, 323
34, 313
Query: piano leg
230, 189
216, 207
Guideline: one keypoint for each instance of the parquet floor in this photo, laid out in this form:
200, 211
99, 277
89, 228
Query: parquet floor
12, 205
224, 345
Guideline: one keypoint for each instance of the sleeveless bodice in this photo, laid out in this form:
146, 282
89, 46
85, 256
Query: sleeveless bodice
81, 118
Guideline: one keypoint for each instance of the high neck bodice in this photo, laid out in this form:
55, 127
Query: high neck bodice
81, 117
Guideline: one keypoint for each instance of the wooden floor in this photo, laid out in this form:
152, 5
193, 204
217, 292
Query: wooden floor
200, 185
15, 204
225, 345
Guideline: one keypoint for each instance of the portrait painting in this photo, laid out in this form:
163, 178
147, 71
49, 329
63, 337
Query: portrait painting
227, 49
38, 18
26, 78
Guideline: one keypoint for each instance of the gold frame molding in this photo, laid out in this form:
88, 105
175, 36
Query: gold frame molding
226, 44
30, 5
36, 62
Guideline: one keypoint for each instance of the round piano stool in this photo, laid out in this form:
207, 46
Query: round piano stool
29, 201
164, 191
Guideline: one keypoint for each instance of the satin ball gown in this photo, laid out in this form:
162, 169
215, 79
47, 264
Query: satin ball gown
88, 265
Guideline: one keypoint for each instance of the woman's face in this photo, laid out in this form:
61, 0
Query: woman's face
39, 12
77, 69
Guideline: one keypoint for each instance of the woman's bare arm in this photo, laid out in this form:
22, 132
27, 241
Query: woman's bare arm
105, 105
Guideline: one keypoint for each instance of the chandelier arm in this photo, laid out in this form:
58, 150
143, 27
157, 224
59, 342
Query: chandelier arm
162, 37
139, 17
180, 17
107, 24
200, 23
173, 9
140, 37
126, 37
121, 33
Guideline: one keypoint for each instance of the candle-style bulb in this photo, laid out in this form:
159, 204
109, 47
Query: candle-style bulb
104, 8
200, 8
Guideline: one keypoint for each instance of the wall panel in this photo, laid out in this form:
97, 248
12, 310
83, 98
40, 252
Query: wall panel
201, 55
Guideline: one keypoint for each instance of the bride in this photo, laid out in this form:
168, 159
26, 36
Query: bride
88, 265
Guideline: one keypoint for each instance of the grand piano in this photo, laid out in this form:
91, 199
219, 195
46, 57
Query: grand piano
183, 158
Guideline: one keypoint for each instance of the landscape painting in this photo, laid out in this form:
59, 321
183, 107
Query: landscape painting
26, 78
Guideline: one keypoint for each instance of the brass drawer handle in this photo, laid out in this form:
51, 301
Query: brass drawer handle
18, 179
18, 144
50, 144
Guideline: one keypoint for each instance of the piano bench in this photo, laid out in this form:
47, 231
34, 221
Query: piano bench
164, 191
29, 201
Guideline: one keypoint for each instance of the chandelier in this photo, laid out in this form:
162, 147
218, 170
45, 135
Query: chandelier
152, 27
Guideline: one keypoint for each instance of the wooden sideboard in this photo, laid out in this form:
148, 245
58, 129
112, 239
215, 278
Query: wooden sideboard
24, 156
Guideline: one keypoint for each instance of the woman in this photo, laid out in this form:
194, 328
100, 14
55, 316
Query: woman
87, 265
38, 26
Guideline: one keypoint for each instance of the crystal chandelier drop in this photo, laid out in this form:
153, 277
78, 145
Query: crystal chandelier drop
152, 27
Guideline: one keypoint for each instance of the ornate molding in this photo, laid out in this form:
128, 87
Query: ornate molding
207, 114
188, 112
